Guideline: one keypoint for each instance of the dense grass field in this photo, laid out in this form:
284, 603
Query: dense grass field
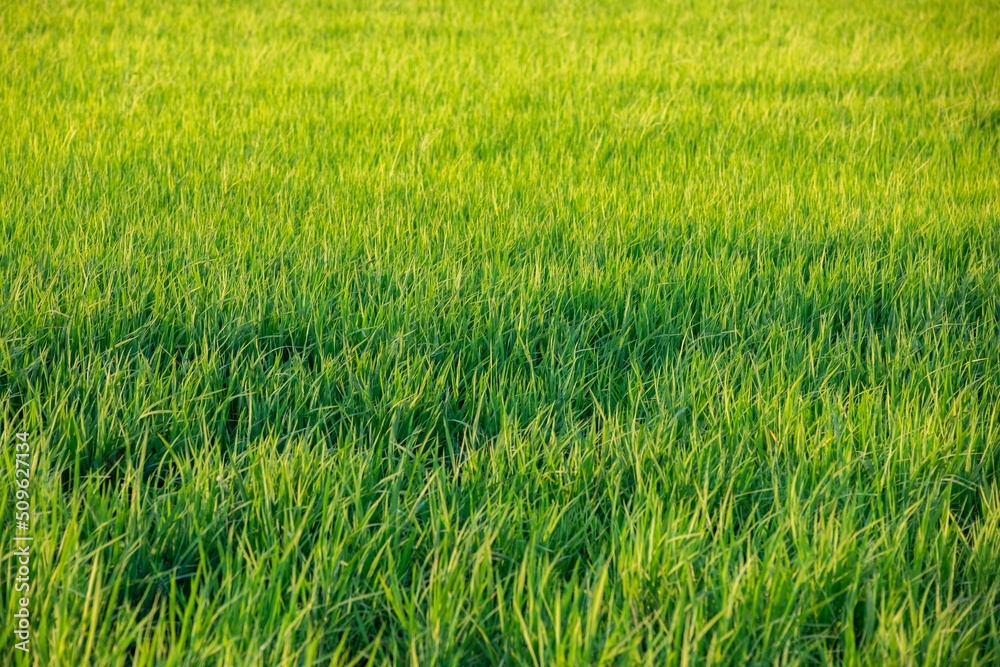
534, 333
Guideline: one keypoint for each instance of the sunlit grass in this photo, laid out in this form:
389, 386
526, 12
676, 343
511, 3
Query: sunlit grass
528, 333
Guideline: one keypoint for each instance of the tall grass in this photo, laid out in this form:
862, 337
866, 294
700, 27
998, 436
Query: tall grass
527, 333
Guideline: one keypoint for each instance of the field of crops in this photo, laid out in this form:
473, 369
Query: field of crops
466, 332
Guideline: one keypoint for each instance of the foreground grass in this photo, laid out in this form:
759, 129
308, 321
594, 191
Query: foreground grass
538, 333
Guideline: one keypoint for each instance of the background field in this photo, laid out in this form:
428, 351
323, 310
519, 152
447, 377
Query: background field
524, 333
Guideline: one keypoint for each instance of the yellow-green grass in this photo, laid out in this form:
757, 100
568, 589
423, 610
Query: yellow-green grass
623, 332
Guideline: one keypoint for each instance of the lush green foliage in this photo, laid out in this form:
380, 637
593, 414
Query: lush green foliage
526, 333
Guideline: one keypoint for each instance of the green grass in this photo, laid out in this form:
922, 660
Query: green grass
552, 333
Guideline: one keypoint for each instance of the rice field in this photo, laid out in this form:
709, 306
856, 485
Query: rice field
454, 332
